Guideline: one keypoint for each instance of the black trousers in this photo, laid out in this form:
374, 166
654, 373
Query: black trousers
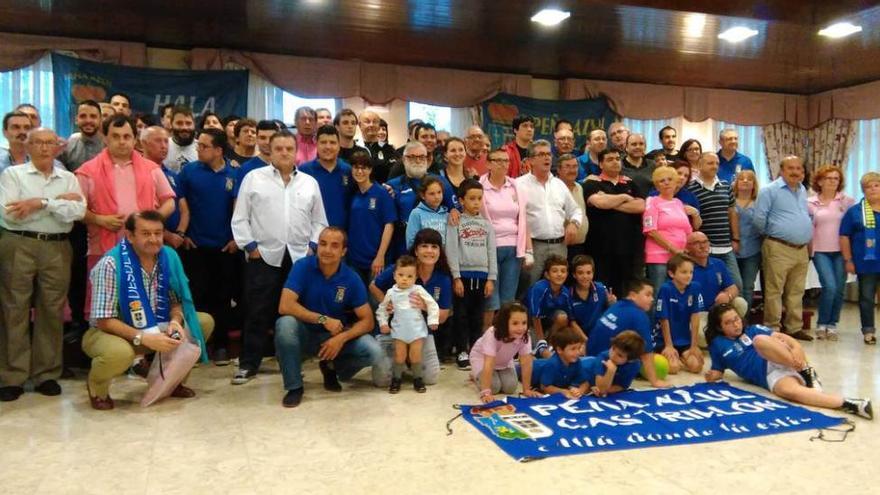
213, 279
263, 284
615, 270
468, 313
76, 293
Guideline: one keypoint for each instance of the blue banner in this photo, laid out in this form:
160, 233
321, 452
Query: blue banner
528, 429
221, 92
585, 115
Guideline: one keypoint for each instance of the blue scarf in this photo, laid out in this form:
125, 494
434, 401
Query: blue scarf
134, 303
870, 224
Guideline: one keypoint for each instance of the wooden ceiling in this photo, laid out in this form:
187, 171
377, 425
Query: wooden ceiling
656, 41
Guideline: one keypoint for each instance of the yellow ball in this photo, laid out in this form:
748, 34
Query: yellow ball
661, 367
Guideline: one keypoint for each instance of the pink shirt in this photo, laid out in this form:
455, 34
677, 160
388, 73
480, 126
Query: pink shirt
306, 149
826, 221
503, 210
126, 197
488, 345
668, 219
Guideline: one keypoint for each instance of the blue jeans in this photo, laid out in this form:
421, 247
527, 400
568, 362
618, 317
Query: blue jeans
867, 292
508, 277
832, 276
748, 269
729, 260
294, 339
656, 275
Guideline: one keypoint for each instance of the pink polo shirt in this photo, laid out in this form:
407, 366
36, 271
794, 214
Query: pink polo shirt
306, 149
668, 219
826, 221
503, 210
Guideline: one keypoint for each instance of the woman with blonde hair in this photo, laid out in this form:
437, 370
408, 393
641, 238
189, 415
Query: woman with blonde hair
748, 258
858, 244
665, 224
827, 208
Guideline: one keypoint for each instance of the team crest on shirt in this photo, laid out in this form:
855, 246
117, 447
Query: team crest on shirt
372, 205
229, 184
690, 300
436, 293
869, 243
138, 315
745, 339
738, 168
345, 180
340, 293
649, 222
718, 276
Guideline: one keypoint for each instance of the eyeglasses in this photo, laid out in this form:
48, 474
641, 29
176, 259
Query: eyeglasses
44, 143
543, 154
499, 160
416, 158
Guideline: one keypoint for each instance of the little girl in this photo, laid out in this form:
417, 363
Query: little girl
430, 212
771, 360
492, 355
677, 311
408, 328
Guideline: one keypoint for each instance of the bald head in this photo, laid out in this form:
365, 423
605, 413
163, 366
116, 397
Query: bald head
698, 247
41, 144
369, 124
154, 140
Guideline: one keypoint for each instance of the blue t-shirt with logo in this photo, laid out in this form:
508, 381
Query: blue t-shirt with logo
336, 297
370, 212
594, 367
624, 315
209, 195
552, 371
542, 302
336, 189
740, 355
677, 307
712, 279
586, 312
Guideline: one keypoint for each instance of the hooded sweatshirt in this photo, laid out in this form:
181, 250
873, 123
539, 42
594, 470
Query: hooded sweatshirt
424, 217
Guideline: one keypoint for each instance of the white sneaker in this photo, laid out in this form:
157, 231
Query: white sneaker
832, 334
859, 407
821, 332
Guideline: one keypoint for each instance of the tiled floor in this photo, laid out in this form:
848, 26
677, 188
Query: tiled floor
240, 440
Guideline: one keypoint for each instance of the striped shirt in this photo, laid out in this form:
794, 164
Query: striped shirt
105, 293
715, 200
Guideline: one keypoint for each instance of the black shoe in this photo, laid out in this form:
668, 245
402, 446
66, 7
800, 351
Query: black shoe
293, 397
141, 368
801, 335
419, 385
9, 394
331, 382
807, 375
49, 387
395, 386
74, 330
859, 407
463, 362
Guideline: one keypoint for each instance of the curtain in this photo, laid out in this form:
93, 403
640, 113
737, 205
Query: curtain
831, 143
781, 140
651, 130
864, 156
32, 84
22, 50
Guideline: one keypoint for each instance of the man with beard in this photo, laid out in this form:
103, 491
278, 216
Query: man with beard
668, 137
635, 165
382, 154
121, 103
181, 146
346, 123
427, 135
84, 145
324, 117
333, 176
245, 146
618, 132
16, 125
306, 146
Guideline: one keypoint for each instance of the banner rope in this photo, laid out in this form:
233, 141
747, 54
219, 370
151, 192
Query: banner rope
843, 431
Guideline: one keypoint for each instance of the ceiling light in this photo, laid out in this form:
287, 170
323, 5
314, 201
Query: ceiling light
737, 34
694, 24
840, 30
550, 17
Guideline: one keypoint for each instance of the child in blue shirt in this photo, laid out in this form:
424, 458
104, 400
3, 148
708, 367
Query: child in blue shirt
677, 314
772, 360
562, 373
589, 299
430, 212
614, 370
628, 314
549, 304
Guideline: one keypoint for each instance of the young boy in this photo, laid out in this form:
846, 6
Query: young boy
589, 299
679, 304
549, 304
613, 370
562, 373
470, 249
628, 314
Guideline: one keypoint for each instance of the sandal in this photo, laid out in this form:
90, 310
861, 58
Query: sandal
870, 339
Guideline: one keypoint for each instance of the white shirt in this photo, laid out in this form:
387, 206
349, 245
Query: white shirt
549, 205
276, 216
178, 155
25, 182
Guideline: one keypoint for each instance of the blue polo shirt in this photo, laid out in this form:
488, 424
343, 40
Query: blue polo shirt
712, 279
252, 164
624, 315
406, 194
727, 169
552, 371
336, 189
173, 220
370, 212
586, 166
542, 302
586, 312
740, 355
439, 285
210, 200
677, 307
852, 226
336, 297
594, 367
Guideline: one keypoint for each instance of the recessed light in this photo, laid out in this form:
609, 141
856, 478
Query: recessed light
550, 17
737, 34
840, 30
694, 25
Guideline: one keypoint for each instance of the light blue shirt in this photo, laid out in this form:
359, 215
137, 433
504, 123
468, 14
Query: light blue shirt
782, 213
749, 237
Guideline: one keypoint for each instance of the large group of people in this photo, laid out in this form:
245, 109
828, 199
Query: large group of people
564, 270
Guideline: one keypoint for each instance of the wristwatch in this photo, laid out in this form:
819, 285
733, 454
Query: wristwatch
138, 338
322, 319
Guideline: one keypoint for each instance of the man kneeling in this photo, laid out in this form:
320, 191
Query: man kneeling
138, 288
319, 295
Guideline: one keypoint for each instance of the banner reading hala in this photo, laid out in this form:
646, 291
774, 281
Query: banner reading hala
528, 429
585, 115
222, 92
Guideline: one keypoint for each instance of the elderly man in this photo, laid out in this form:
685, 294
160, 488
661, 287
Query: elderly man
152, 312
668, 137
731, 161
382, 154
617, 133
716, 284
476, 156
781, 215
635, 165
563, 142
269, 198
589, 161
552, 216
306, 125
614, 208
568, 171
154, 142
181, 146
323, 117
517, 149
325, 313
40, 202
16, 126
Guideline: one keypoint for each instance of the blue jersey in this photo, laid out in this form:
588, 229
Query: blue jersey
173, 219
586, 312
594, 367
712, 279
740, 355
336, 189
542, 302
370, 212
336, 297
586, 167
624, 315
677, 307
209, 197
552, 371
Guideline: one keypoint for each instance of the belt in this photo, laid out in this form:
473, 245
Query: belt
558, 240
786, 243
40, 235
